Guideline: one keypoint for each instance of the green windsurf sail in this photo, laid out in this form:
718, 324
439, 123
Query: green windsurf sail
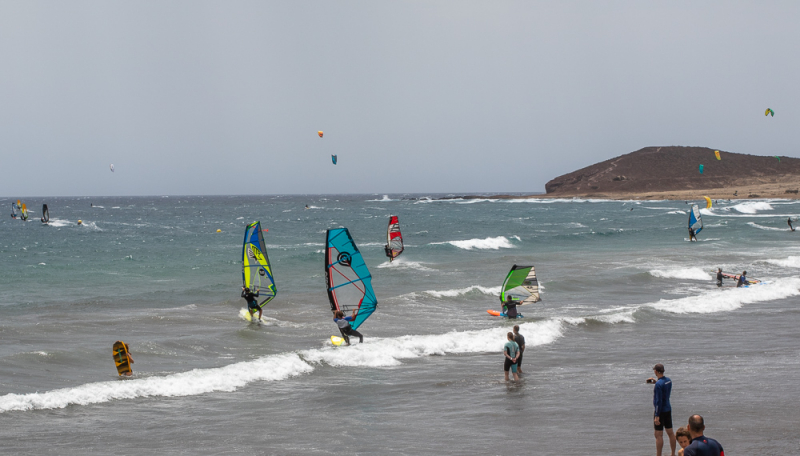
521, 284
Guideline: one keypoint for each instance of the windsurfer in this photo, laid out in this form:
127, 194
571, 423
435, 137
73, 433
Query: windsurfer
345, 328
388, 251
742, 280
692, 235
252, 302
790, 224
719, 277
510, 307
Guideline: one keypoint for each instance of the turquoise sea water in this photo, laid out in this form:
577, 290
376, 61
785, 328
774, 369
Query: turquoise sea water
622, 290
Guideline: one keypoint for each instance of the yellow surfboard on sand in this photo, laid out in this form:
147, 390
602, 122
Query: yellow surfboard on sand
121, 358
335, 340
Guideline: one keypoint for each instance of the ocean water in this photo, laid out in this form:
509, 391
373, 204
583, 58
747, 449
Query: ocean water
622, 290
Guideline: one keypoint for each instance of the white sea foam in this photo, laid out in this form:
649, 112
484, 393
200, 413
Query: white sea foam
60, 222
751, 207
490, 243
766, 228
492, 291
375, 352
790, 262
382, 200
729, 299
401, 263
390, 352
681, 273
677, 212
194, 382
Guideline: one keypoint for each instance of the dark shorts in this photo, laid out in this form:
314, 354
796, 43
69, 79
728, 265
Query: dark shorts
666, 421
252, 305
519, 360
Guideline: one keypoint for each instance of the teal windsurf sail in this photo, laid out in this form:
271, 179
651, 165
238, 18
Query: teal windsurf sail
256, 269
349, 280
521, 284
695, 222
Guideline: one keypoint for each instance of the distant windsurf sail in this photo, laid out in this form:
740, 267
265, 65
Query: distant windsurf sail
45, 214
14, 208
521, 284
334, 158
394, 239
349, 280
256, 269
695, 222
24, 212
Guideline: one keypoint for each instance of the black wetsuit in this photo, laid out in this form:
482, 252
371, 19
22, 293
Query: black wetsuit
521, 342
692, 235
790, 224
388, 251
347, 330
719, 278
511, 309
250, 297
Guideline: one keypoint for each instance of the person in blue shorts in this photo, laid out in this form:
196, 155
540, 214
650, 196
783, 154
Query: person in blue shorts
701, 445
662, 415
510, 352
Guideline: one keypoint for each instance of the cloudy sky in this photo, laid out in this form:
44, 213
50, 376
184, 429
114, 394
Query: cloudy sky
226, 97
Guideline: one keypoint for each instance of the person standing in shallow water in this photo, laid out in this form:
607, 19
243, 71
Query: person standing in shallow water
510, 352
742, 280
521, 343
790, 224
719, 277
663, 410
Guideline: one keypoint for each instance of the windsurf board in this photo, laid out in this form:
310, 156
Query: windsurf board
336, 340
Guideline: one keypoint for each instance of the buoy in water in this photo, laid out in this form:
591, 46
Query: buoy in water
219, 230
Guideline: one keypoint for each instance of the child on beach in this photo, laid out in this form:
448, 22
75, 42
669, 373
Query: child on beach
683, 437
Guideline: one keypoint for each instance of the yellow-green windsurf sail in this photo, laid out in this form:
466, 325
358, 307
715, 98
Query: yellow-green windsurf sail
256, 269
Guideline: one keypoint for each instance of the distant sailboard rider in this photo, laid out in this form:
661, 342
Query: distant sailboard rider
252, 302
344, 326
719, 277
790, 224
692, 237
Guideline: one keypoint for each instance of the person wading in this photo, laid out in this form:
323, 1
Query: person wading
662, 415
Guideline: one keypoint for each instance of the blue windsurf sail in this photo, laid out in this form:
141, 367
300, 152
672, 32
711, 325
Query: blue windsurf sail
349, 280
334, 159
256, 268
695, 222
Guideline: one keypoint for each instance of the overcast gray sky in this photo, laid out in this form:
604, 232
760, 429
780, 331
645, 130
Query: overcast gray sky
226, 97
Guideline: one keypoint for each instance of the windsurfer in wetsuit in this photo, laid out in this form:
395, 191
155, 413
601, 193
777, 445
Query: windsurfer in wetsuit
345, 328
510, 307
742, 280
719, 277
790, 224
252, 302
692, 235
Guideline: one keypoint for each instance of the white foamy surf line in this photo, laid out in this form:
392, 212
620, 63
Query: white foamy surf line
681, 273
403, 264
490, 243
492, 291
191, 383
767, 228
726, 300
375, 353
752, 207
790, 262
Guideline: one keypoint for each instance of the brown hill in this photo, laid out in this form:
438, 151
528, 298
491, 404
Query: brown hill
672, 170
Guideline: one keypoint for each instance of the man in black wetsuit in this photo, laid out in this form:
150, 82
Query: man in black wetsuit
692, 235
701, 445
742, 280
719, 277
252, 302
790, 224
510, 307
521, 342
